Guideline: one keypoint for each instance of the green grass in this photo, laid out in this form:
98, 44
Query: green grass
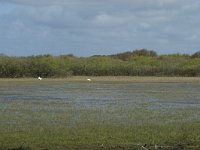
57, 124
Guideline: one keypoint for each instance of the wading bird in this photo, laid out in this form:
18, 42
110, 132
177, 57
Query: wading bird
39, 78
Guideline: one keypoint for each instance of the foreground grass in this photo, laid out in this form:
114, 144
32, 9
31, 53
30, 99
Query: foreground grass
95, 135
41, 138
66, 124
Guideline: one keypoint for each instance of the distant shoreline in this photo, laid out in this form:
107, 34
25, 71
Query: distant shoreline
110, 79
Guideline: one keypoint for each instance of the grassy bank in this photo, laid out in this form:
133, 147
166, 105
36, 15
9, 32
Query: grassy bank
106, 113
109, 79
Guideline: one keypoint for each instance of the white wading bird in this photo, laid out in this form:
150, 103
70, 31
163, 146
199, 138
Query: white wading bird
89, 79
39, 78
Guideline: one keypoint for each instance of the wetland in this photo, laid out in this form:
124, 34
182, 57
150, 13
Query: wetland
107, 112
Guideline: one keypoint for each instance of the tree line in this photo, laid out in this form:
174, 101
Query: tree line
141, 62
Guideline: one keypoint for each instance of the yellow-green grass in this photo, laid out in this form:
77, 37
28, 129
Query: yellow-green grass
110, 79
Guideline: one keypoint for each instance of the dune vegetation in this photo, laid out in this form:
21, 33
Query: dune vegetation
132, 63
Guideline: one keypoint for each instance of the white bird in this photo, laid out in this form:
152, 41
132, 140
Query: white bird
89, 79
39, 78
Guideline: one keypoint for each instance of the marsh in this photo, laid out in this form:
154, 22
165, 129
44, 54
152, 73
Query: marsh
55, 113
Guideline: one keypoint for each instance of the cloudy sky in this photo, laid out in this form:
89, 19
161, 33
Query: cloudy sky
90, 27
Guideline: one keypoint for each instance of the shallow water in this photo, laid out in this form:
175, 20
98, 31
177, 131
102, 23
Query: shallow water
120, 103
102, 93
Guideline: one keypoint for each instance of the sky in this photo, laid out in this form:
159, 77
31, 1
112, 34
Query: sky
98, 27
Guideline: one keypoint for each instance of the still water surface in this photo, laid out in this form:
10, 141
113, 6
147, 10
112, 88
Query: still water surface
115, 102
103, 93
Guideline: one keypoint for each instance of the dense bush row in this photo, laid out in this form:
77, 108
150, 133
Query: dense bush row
135, 63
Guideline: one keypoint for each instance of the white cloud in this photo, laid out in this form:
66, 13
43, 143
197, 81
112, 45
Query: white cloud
104, 19
192, 37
